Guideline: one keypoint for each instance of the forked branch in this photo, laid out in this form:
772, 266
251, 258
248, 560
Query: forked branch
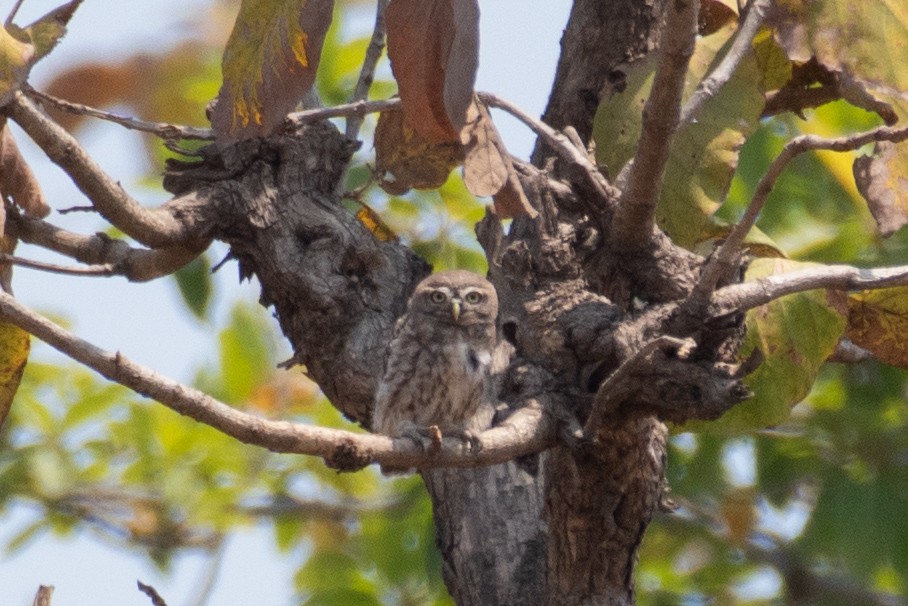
723, 259
154, 228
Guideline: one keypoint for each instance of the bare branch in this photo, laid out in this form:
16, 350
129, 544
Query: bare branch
91, 270
560, 143
357, 108
42, 598
723, 259
748, 295
135, 264
168, 132
151, 592
152, 228
367, 72
740, 48
634, 220
525, 432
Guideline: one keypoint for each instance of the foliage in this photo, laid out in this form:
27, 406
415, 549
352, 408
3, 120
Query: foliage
88, 453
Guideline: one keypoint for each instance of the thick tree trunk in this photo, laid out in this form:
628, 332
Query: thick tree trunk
570, 533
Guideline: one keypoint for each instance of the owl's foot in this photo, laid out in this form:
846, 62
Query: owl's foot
429, 438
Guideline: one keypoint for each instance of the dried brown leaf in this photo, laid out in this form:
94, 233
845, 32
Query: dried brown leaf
883, 181
878, 321
434, 47
404, 159
17, 179
511, 201
714, 15
486, 164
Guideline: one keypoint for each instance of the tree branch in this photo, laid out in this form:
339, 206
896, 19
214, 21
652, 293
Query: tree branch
136, 265
722, 261
740, 48
104, 270
367, 72
153, 228
569, 152
168, 132
525, 432
748, 295
634, 220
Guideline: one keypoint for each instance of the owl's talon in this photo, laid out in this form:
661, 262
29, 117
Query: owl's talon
472, 439
428, 439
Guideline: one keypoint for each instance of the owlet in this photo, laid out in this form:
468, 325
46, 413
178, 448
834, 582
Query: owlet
438, 371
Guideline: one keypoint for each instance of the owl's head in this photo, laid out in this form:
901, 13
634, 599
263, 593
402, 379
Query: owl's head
456, 297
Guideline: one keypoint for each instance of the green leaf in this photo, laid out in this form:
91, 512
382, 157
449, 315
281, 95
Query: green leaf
704, 154
196, 286
269, 64
796, 334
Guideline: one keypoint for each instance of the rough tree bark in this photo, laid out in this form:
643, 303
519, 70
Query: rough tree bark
566, 531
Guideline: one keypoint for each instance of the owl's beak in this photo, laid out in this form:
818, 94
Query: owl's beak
455, 309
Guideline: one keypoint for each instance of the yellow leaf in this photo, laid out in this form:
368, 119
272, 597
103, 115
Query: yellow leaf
14, 347
269, 64
375, 225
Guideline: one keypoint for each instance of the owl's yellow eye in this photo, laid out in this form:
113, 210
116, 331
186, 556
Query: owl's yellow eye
438, 297
473, 297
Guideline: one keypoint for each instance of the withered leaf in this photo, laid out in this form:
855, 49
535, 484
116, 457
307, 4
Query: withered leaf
878, 321
15, 345
434, 50
404, 159
17, 179
487, 166
269, 64
883, 181
714, 15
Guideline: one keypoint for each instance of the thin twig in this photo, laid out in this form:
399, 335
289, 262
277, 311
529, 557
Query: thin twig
358, 108
135, 264
748, 295
90, 270
168, 132
7, 23
151, 227
723, 259
634, 220
525, 432
42, 598
560, 143
367, 72
740, 48
151, 592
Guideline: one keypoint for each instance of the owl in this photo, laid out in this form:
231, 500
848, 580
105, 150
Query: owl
438, 370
